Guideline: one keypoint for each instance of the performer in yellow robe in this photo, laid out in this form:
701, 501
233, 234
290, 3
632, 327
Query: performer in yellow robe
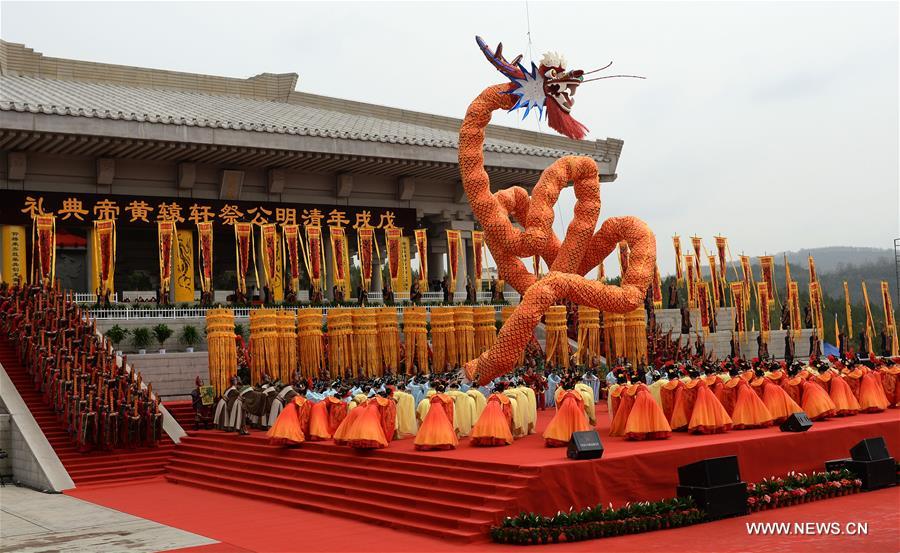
531, 409
588, 394
406, 413
479, 399
516, 402
463, 411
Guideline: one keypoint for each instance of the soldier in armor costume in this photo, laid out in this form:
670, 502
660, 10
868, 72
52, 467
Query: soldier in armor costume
73, 367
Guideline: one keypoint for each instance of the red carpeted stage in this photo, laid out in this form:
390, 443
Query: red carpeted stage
458, 494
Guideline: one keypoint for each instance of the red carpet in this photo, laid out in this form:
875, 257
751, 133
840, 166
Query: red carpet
96, 467
247, 525
181, 411
458, 494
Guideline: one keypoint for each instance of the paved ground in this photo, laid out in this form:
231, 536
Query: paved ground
32, 521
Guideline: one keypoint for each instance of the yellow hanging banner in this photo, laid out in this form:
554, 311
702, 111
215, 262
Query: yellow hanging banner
184, 266
14, 256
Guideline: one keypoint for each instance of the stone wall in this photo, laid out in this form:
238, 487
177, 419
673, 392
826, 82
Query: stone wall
720, 342
5, 441
172, 344
172, 374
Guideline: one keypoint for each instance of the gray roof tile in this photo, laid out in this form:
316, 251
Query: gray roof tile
172, 107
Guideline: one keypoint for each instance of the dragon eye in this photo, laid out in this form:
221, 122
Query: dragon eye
551, 73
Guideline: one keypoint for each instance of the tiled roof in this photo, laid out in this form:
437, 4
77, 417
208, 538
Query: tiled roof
173, 107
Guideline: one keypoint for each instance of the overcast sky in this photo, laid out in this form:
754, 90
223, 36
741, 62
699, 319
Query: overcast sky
774, 124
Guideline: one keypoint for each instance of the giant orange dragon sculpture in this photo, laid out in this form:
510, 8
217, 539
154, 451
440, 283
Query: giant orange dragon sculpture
549, 87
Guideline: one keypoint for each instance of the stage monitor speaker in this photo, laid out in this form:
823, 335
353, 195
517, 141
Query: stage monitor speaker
717, 471
875, 474
837, 464
798, 422
870, 449
585, 445
718, 501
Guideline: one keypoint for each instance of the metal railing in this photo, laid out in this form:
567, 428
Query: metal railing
131, 313
81, 297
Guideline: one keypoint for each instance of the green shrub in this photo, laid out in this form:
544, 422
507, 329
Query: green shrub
162, 333
140, 338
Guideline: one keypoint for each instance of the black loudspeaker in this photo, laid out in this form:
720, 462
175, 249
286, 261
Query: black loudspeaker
707, 473
870, 449
718, 501
585, 445
798, 422
837, 464
875, 474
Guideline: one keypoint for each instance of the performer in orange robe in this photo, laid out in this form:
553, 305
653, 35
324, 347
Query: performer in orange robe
793, 384
437, 430
325, 417
494, 426
871, 392
845, 403
776, 400
816, 401
670, 394
714, 381
623, 402
569, 416
890, 380
747, 410
646, 420
292, 423
374, 428
706, 414
342, 432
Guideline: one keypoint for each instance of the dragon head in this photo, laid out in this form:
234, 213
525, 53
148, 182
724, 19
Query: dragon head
551, 79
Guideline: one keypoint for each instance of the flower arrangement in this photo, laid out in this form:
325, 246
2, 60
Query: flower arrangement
797, 487
597, 522
603, 522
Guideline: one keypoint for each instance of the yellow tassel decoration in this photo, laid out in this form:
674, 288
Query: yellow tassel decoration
464, 329
389, 338
588, 334
415, 333
340, 343
485, 328
222, 349
287, 344
263, 344
365, 341
557, 353
310, 342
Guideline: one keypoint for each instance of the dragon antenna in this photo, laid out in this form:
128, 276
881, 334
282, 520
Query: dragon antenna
607, 66
613, 77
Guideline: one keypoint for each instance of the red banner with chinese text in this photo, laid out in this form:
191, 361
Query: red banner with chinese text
767, 269
340, 258
478, 252
691, 280
243, 240
365, 237
721, 247
45, 248
740, 306
704, 305
796, 323
269, 234
392, 239
205, 248
315, 256
697, 243
422, 250
714, 280
291, 234
105, 255
454, 247
166, 241
889, 320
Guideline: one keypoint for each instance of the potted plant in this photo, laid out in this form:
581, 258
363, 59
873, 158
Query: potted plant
140, 339
162, 333
189, 337
116, 334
